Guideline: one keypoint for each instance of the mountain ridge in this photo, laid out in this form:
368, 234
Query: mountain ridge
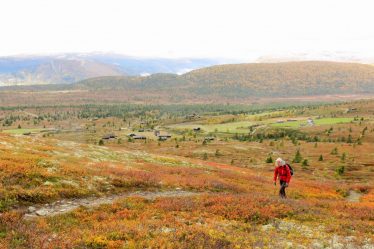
257, 79
232, 83
41, 69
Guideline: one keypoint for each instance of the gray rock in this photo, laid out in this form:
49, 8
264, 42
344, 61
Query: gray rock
368, 246
167, 230
29, 216
267, 227
31, 209
317, 245
336, 242
42, 212
48, 183
289, 245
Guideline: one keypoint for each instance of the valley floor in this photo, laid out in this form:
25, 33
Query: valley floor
61, 189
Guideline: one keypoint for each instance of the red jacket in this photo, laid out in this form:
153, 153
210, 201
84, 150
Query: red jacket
283, 172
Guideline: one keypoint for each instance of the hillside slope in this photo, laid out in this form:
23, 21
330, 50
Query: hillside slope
292, 78
235, 83
53, 71
259, 79
70, 68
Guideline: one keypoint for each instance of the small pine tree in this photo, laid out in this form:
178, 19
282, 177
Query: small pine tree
269, 160
359, 142
349, 139
101, 142
320, 158
334, 151
19, 126
217, 153
298, 157
305, 163
294, 141
342, 158
340, 170
364, 130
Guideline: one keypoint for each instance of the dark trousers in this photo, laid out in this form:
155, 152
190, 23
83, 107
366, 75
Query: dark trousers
282, 191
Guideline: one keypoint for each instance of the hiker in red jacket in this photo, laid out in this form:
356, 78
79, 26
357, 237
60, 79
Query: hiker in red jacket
282, 171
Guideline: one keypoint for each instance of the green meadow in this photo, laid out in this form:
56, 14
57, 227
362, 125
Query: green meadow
321, 121
21, 131
232, 127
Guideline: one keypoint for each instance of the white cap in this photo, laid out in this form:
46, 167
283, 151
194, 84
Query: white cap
280, 162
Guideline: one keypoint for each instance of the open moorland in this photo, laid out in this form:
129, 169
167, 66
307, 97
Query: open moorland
186, 176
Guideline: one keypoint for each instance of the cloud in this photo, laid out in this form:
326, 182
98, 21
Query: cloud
184, 70
145, 74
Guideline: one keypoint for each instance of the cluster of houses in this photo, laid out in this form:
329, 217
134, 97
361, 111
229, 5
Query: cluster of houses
49, 130
309, 122
208, 139
288, 120
136, 137
351, 109
161, 137
108, 136
192, 116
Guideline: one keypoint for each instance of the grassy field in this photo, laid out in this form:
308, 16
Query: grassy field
234, 202
22, 131
242, 127
231, 127
320, 121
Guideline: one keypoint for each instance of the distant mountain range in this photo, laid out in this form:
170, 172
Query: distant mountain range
255, 79
232, 83
70, 68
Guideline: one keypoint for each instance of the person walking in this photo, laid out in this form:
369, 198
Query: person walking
283, 172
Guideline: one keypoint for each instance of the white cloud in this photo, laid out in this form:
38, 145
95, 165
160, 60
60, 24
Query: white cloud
145, 74
187, 28
184, 70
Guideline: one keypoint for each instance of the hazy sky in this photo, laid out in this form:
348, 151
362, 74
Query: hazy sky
187, 28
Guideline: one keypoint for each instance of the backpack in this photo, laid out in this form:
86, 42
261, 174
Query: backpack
291, 169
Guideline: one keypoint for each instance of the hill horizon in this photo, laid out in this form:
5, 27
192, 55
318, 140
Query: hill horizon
230, 83
67, 68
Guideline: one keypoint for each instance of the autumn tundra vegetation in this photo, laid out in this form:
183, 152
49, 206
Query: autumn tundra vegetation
186, 176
